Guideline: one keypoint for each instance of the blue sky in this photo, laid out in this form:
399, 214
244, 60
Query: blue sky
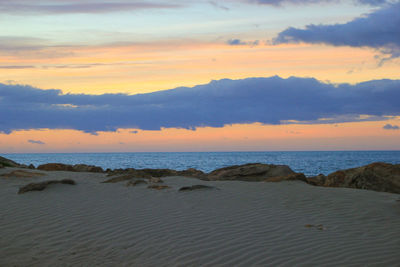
182, 20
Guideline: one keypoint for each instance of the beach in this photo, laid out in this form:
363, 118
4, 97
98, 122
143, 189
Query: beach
235, 223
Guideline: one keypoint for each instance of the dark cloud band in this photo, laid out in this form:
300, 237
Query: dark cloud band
265, 100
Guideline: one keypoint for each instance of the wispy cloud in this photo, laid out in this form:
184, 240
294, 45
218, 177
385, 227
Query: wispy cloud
19, 7
218, 5
379, 30
391, 127
241, 42
265, 100
36, 142
17, 67
302, 2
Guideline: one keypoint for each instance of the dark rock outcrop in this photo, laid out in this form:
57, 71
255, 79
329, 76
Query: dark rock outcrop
196, 187
290, 177
87, 168
250, 172
70, 168
55, 167
378, 176
191, 172
155, 173
43, 185
318, 180
4, 162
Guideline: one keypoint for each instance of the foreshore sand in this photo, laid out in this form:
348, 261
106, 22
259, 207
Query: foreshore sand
290, 223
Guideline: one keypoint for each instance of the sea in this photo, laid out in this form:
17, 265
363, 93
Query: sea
308, 162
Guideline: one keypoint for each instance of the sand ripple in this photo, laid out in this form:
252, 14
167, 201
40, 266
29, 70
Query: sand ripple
243, 224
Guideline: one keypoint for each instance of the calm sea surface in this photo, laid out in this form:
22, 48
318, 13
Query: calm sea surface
310, 163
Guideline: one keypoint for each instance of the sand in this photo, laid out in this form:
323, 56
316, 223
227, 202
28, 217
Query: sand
242, 224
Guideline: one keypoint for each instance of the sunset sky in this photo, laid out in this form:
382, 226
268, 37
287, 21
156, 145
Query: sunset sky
234, 75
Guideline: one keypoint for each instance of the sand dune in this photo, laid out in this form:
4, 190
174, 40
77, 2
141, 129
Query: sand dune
242, 224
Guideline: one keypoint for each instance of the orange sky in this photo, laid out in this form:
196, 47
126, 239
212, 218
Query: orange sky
151, 67
249, 137
139, 69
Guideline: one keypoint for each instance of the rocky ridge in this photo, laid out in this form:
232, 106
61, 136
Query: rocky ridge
379, 176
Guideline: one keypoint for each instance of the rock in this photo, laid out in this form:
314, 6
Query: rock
31, 166
196, 187
148, 173
118, 171
55, 167
67, 181
191, 172
156, 180
43, 185
131, 172
158, 187
159, 172
250, 172
136, 182
4, 162
87, 168
290, 177
22, 174
120, 178
318, 180
384, 177
70, 168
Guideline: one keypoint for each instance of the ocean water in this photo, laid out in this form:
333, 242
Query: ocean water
310, 162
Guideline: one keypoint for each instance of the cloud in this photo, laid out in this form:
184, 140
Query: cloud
235, 42
36, 142
31, 47
218, 5
18, 43
270, 100
391, 127
302, 2
240, 42
16, 67
379, 30
19, 7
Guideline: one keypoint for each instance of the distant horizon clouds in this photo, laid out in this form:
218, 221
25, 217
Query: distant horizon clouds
272, 100
391, 127
36, 142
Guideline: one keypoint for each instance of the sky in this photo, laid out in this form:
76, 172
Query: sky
234, 75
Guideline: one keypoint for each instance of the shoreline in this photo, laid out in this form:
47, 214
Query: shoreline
378, 176
310, 163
